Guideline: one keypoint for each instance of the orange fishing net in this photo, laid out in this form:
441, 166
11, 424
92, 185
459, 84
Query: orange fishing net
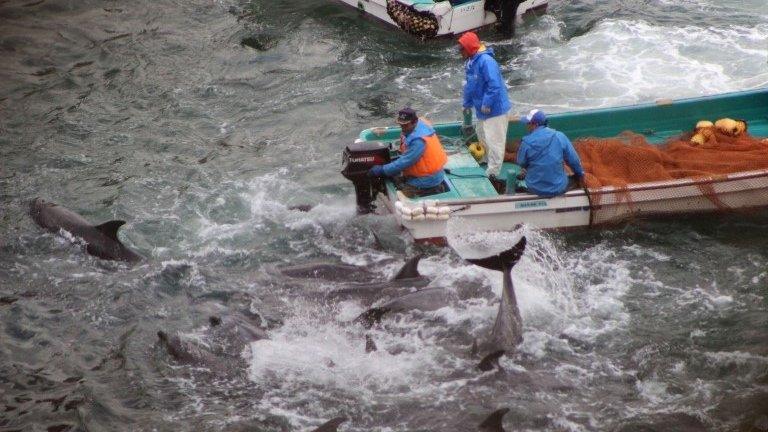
706, 153
629, 158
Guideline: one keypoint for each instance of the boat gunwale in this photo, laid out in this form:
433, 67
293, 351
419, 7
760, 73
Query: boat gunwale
608, 190
619, 108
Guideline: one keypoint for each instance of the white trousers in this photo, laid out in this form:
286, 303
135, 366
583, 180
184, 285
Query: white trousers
492, 133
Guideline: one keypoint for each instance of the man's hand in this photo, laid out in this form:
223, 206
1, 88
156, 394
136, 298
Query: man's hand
521, 174
376, 171
485, 109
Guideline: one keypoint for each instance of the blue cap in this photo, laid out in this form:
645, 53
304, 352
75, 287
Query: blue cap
535, 116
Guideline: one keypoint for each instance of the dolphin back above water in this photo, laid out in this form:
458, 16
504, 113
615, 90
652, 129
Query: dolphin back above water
406, 279
101, 240
508, 329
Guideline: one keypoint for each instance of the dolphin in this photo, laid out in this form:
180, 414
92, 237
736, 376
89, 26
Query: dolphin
492, 423
330, 271
230, 334
101, 240
507, 331
428, 299
185, 351
331, 425
404, 281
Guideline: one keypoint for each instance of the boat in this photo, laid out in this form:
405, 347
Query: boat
432, 18
471, 202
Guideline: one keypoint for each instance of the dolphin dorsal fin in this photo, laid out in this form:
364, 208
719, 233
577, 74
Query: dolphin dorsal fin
110, 228
503, 261
331, 425
410, 269
492, 423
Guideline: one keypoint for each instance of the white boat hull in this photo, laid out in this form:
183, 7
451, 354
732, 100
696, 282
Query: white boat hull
576, 208
451, 20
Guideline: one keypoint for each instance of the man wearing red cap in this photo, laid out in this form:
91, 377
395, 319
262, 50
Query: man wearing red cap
486, 92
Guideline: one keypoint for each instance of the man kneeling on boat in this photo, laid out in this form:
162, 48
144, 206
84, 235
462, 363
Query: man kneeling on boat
541, 155
421, 161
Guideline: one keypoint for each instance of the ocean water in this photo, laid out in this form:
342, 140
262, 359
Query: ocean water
201, 123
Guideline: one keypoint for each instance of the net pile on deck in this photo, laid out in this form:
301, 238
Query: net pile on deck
417, 23
708, 152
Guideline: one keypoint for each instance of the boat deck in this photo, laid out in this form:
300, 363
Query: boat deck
466, 178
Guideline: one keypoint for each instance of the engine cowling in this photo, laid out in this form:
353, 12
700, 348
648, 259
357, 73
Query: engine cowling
357, 159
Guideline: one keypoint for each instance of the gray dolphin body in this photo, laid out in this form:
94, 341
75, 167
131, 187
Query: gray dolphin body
331, 425
428, 299
185, 351
507, 331
225, 340
101, 240
231, 333
325, 270
404, 281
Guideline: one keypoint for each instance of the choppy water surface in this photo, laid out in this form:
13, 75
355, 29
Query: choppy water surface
156, 112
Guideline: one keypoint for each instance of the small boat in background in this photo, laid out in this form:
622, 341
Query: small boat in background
431, 18
474, 205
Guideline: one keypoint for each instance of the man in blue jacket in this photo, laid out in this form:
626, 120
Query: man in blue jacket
486, 92
541, 155
421, 160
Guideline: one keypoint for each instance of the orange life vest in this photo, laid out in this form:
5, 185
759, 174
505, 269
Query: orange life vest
433, 159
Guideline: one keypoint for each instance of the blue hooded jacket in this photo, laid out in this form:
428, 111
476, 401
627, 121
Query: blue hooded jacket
542, 153
415, 150
485, 87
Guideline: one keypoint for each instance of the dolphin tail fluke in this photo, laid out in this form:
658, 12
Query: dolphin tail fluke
492, 423
371, 316
506, 259
110, 228
490, 361
331, 425
410, 269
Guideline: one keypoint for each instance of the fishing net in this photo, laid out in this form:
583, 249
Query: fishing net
418, 23
706, 156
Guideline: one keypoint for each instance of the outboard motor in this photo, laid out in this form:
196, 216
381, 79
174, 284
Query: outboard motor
357, 159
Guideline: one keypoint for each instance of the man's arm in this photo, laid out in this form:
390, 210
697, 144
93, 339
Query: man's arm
410, 157
571, 157
522, 155
492, 76
467, 102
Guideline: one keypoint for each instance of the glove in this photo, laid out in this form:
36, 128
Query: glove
376, 171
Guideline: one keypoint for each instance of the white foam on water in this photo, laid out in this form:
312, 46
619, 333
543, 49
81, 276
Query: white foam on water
621, 62
314, 355
655, 392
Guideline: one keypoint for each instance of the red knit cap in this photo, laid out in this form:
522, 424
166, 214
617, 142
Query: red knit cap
470, 42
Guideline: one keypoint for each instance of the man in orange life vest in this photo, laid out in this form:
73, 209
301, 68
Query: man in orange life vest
421, 161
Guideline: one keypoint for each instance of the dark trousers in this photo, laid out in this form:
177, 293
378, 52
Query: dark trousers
412, 191
507, 16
